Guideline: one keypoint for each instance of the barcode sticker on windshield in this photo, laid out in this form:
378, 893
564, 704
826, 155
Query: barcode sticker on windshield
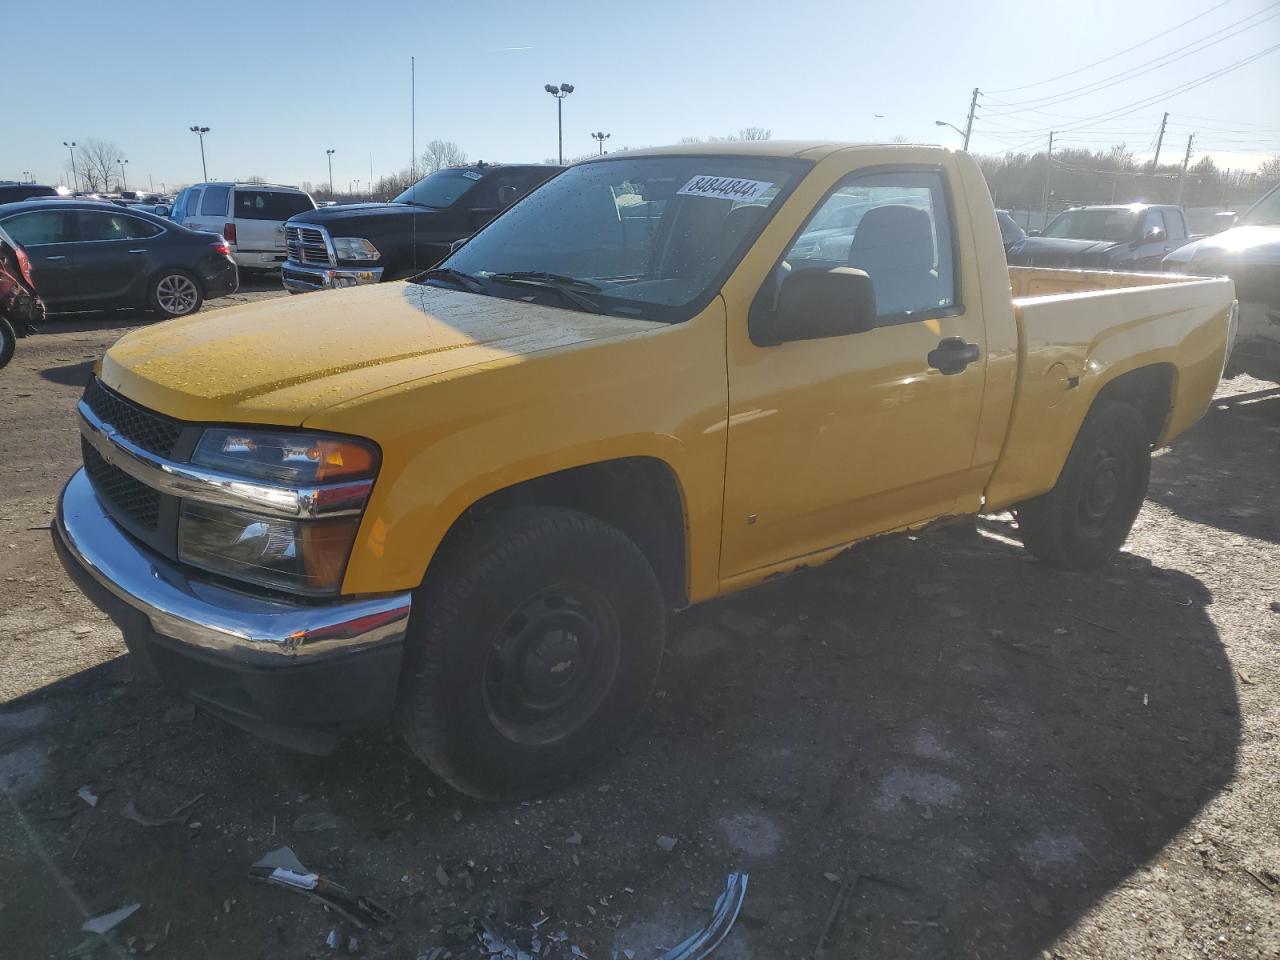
471, 175
724, 188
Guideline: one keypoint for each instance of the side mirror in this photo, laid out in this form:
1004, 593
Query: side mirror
162, 210
458, 244
814, 304
1224, 221
1033, 233
1154, 234
507, 195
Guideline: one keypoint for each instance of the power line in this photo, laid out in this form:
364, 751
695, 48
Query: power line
1157, 63
1141, 43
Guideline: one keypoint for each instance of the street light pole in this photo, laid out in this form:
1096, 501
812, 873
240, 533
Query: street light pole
559, 92
74, 179
600, 138
200, 131
124, 181
943, 123
330, 155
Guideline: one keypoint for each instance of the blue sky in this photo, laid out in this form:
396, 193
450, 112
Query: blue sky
278, 83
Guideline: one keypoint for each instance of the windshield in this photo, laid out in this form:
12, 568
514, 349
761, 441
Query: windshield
1113, 225
440, 189
654, 236
1266, 212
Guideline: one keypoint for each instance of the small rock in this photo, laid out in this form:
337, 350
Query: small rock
88, 796
575, 838
833, 877
1060, 631
81, 629
442, 877
353, 945
183, 713
457, 816
315, 822
667, 843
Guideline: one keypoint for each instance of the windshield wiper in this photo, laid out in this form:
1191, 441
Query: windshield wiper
459, 279
553, 281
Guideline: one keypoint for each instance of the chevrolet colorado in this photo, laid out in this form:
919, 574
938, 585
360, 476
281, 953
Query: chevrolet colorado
638, 388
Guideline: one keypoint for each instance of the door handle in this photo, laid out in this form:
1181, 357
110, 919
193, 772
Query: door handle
137, 251
952, 355
51, 259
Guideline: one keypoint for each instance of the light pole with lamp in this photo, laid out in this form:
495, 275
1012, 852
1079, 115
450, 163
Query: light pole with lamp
124, 181
70, 149
200, 131
329, 153
600, 138
559, 93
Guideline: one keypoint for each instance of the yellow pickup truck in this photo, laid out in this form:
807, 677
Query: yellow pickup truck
464, 504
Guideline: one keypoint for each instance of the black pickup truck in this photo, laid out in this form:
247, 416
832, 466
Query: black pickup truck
354, 243
1134, 236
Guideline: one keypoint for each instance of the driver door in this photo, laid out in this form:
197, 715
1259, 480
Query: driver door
836, 439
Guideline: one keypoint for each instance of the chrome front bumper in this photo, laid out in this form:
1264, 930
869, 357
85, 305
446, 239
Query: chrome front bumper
202, 613
298, 278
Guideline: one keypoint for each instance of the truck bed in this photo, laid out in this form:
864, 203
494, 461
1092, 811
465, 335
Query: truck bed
1078, 328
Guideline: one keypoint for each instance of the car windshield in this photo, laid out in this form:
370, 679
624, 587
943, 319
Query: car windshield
1265, 213
646, 237
1109, 224
440, 189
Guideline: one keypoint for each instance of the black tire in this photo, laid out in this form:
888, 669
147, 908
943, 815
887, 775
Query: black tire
481, 703
1087, 516
175, 293
8, 342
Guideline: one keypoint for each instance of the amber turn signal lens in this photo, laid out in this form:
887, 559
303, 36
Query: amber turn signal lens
342, 459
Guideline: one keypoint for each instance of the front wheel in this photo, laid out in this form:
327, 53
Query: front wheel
1088, 514
8, 341
175, 293
538, 642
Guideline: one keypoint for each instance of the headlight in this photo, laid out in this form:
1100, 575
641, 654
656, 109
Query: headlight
305, 554
354, 248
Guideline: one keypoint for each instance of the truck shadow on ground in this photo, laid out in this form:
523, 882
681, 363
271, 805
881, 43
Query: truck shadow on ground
1222, 473
974, 747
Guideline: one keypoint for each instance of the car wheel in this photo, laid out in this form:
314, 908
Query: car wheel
535, 645
8, 342
1088, 514
175, 293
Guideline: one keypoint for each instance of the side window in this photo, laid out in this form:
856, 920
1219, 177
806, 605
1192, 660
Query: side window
40, 227
179, 205
895, 226
1175, 225
490, 193
215, 202
269, 204
1151, 221
114, 226
193, 203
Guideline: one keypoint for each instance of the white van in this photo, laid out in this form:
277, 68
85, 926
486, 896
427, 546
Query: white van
249, 216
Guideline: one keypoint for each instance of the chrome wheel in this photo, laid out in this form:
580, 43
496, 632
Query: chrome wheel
177, 294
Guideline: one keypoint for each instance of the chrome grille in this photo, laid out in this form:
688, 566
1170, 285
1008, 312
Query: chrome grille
148, 430
307, 244
121, 492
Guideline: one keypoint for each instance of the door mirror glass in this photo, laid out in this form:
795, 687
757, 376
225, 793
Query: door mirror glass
162, 210
813, 304
1154, 233
1224, 221
507, 194
1033, 233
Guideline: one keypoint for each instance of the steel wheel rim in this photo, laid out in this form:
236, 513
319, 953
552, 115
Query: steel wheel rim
551, 664
177, 294
1101, 489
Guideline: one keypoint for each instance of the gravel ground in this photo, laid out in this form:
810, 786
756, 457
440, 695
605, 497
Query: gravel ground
933, 747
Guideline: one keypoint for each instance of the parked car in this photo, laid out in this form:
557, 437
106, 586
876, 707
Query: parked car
20, 306
354, 243
1135, 236
91, 255
1248, 253
14, 192
1010, 231
249, 216
627, 393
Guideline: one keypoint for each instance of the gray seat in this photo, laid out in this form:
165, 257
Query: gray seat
894, 244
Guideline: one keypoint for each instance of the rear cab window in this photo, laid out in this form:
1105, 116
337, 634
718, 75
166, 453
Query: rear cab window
270, 204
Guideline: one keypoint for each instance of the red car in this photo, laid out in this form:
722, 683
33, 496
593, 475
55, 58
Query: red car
20, 307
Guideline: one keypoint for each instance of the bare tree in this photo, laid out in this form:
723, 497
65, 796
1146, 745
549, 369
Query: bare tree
1269, 169
754, 133
99, 164
442, 153
254, 179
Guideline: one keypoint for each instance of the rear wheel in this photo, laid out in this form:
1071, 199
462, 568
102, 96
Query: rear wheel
1088, 514
538, 642
175, 293
8, 341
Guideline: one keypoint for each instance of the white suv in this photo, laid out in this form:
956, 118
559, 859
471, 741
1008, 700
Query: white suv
249, 216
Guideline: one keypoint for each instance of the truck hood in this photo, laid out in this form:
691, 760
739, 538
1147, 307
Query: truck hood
1047, 251
347, 215
284, 360
1239, 245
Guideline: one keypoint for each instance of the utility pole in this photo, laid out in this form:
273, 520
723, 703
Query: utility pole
75, 179
968, 126
1185, 161
124, 181
600, 137
1048, 169
1155, 164
329, 154
413, 121
559, 92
